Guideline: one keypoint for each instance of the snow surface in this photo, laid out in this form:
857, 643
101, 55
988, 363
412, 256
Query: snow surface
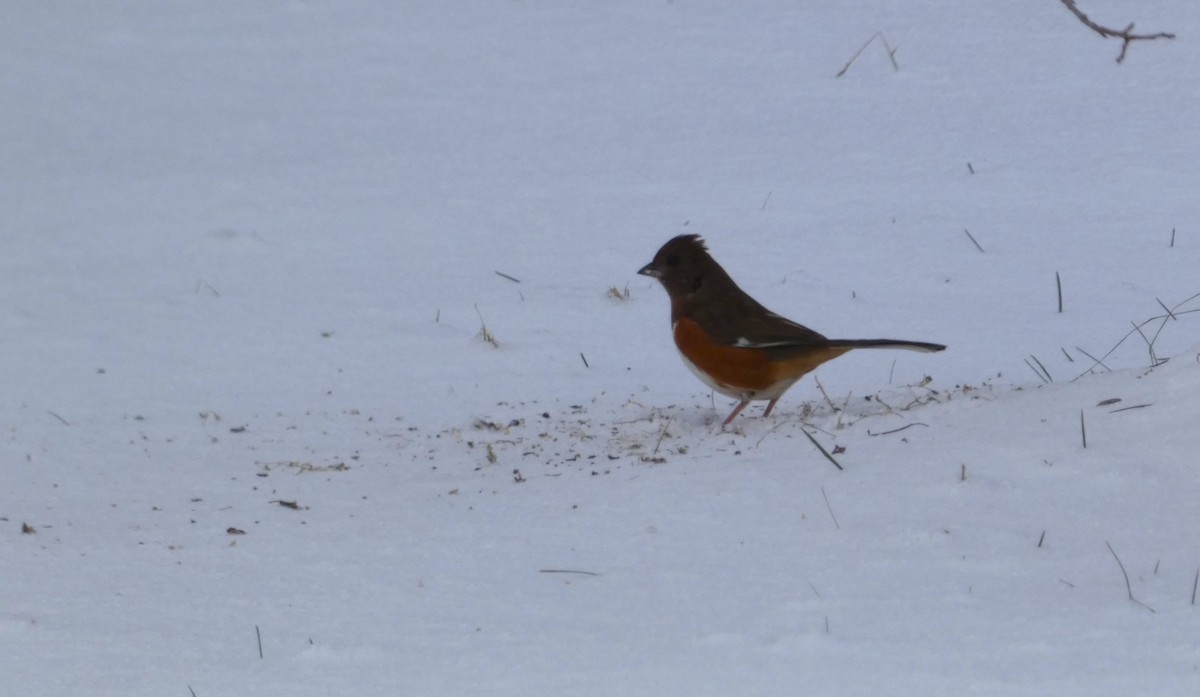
247, 250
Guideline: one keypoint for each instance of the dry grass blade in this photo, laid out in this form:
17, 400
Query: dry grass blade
819, 447
1128, 587
972, 237
831, 515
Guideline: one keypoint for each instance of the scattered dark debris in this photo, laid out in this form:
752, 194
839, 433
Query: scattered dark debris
290, 504
237, 429
27, 529
518, 477
235, 531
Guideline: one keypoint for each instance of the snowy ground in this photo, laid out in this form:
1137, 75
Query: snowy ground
247, 250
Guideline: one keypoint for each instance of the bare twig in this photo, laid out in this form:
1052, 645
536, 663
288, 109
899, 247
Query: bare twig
1126, 35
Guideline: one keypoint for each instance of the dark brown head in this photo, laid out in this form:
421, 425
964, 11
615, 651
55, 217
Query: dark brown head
684, 267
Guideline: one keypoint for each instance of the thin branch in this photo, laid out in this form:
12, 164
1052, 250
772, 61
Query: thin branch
1126, 35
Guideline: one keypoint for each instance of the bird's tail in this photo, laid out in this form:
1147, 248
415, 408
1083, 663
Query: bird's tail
886, 344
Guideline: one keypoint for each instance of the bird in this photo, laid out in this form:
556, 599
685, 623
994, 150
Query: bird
731, 342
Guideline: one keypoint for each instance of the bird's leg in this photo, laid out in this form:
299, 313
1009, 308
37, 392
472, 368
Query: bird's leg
736, 410
770, 406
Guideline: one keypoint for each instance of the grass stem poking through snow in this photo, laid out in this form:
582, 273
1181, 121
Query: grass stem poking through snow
584, 358
818, 445
890, 51
969, 235
1045, 376
828, 506
1128, 587
1195, 582
1082, 429
501, 274
1172, 237
1058, 283
484, 333
662, 434
258, 635
1041, 539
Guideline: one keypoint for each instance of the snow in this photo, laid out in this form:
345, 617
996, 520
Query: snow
247, 251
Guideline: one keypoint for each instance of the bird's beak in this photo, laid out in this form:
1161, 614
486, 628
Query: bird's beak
649, 270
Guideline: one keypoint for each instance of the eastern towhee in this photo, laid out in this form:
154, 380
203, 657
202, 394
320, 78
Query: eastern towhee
735, 345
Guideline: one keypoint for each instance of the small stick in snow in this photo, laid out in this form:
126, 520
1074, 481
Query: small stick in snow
258, 634
568, 571
501, 274
1041, 539
1083, 429
585, 363
1195, 583
1172, 237
1126, 35
64, 421
1058, 282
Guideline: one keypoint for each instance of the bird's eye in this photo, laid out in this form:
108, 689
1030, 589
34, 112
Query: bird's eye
672, 260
